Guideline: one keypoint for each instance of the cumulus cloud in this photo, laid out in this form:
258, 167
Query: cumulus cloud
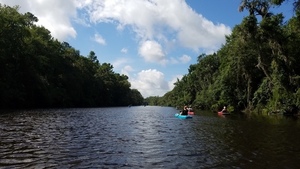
159, 26
185, 58
126, 70
182, 60
120, 62
174, 80
124, 50
55, 15
157, 19
150, 82
99, 39
121, 65
152, 51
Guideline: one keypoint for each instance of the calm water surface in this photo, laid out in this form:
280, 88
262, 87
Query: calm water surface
145, 137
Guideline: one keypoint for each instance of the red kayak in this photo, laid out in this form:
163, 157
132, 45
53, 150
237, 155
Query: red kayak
223, 113
191, 113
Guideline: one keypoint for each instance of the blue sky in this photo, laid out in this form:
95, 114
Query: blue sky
153, 42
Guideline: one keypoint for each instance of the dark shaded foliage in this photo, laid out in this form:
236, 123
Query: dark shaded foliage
37, 71
256, 69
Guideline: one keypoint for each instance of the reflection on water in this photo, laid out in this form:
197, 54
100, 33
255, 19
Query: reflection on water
145, 137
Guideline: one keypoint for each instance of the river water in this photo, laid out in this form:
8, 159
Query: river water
145, 137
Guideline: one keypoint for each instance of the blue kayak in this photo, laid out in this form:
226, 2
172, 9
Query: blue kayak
183, 116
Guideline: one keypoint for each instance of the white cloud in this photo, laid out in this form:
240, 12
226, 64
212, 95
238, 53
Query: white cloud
124, 50
150, 20
120, 62
150, 83
158, 19
171, 83
126, 70
185, 58
152, 51
99, 39
55, 15
119, 66
182, 60
159, 26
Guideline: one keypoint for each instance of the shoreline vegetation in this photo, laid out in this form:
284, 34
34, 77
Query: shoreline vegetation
255, 71
38, 71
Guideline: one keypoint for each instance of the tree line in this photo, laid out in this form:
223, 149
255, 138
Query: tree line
38, 71
256, 70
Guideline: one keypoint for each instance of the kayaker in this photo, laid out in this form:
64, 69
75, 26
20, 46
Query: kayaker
224, 110
190, 109
184, 111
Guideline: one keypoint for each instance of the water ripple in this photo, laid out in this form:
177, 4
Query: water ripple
139, 137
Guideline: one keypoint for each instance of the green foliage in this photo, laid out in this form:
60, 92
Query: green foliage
38, 71
256, 69
152, 100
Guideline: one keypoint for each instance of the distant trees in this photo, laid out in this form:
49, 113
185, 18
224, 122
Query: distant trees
38, 71
256, 69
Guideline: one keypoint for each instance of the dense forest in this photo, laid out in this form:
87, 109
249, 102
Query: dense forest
38, 71
256, 70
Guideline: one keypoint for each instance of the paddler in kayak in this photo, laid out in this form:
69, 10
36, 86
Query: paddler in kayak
190, 109
224, 110
184, 111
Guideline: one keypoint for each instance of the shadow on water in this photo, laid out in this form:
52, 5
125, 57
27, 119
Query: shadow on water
260, 141
145, 137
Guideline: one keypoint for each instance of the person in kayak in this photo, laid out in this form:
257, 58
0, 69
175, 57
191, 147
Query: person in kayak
190, 109
184, 111
224, 110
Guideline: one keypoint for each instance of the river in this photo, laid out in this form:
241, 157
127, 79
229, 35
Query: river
145, 137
